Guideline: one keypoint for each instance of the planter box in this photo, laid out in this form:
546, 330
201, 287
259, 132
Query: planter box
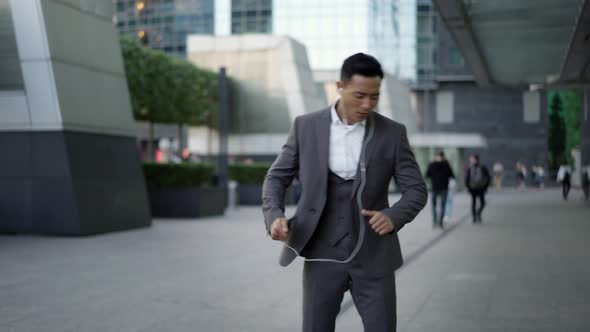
251, 194
187, 202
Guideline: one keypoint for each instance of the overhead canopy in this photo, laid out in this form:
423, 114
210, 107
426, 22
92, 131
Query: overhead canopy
522, 42
449, 140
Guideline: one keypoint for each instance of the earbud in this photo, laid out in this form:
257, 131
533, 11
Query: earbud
339, 91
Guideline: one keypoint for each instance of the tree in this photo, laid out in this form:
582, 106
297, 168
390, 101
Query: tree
572, 107
557, 132
165, 89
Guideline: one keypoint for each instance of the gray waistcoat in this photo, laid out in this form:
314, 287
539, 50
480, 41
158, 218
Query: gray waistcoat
336, 233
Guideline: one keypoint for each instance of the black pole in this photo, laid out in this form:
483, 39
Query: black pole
222, 160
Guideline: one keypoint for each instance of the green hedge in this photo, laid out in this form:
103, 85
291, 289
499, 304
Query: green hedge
248, 174
191, 174
160, 176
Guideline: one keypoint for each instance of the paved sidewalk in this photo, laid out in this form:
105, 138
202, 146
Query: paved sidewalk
524, 269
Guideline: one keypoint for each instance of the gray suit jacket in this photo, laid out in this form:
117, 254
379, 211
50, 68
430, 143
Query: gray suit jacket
306, 155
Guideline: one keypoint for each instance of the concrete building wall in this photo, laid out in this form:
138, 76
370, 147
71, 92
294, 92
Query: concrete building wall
64, 68
271, 84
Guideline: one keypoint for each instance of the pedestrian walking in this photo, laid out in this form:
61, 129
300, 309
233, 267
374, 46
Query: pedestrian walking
477, 180
521, 174
540, 177
586, 183
564, 175
439, 172
498, 170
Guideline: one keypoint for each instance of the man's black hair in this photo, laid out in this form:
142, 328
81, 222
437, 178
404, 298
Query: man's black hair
360, 64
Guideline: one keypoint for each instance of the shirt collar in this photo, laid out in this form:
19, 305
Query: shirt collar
336, 118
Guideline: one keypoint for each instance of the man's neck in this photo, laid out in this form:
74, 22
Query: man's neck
342, 114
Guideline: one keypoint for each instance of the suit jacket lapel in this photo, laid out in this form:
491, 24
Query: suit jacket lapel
368, 153
322, 133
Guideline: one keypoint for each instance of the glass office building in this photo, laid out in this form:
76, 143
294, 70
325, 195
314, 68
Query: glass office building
334, 29
164, 24
400, 33
426, 50
251, 16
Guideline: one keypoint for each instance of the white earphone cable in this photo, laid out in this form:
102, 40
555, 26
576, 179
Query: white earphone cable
363, 181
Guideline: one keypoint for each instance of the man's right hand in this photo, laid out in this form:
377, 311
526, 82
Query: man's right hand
279, 230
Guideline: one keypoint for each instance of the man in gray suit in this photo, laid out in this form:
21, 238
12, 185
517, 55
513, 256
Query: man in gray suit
344, 157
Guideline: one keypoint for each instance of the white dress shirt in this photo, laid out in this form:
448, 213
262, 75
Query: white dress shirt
345, 145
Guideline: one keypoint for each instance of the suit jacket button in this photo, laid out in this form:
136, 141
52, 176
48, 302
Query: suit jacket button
312, 210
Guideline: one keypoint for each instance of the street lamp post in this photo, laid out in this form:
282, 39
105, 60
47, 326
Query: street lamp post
222, 160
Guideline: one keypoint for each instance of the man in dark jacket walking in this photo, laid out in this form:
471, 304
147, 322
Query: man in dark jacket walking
477, 180
439, 172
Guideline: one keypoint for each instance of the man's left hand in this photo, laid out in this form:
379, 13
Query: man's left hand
379, 221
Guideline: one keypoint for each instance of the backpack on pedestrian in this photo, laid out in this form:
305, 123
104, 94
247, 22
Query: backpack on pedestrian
477, 178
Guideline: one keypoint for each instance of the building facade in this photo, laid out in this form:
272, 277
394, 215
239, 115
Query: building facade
513, 121
331, 30
270, 86
70, 164
334, 29
405, 35
251, 16
164, 24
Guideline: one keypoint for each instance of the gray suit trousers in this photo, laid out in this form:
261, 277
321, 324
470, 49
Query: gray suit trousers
324, 285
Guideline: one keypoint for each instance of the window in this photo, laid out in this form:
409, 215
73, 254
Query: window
531, 104
251, 16
424, 25
423, 8
455, 57
424, 55
444, 107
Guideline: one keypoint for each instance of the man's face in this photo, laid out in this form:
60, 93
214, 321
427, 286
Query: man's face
360, 96
473, 160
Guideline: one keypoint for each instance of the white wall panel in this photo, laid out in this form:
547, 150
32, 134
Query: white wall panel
29, 29
531, 103
41, 95
445, 107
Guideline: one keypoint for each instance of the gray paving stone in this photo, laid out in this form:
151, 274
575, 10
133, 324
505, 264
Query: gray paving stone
524, 269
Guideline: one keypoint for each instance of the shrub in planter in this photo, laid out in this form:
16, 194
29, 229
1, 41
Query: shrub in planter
250, 179
183, 190
248, 174
161, 176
